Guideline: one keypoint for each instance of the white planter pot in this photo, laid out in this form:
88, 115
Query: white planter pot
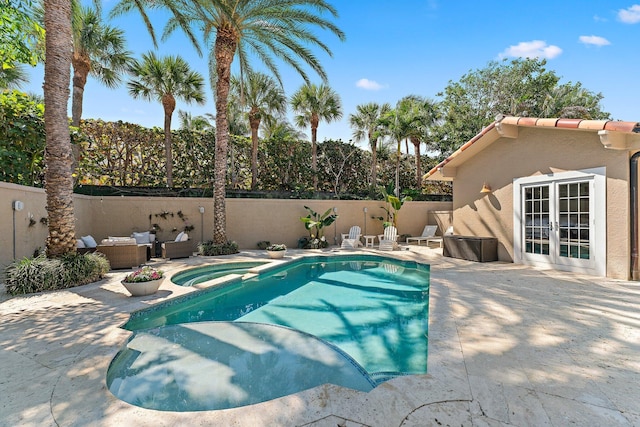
276, 254
139, 289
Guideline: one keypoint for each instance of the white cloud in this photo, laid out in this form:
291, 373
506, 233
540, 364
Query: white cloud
532, 49
594, 40
369, 84
630, 15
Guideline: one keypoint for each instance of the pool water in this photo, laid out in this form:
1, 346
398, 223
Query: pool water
368, 314
197, 275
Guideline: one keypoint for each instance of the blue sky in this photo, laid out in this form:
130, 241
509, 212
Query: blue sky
394, 49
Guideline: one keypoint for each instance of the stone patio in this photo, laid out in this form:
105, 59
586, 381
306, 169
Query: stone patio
508, 346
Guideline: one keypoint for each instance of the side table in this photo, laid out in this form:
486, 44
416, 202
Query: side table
369, 240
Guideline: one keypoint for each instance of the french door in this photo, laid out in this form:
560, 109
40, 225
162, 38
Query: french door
557, 226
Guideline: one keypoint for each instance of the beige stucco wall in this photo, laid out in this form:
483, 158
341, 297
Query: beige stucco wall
535, 152
248, 220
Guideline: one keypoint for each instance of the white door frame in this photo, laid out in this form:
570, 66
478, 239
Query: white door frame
598, 220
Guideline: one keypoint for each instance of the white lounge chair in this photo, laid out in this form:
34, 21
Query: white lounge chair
351, 240
388, 239
428, 235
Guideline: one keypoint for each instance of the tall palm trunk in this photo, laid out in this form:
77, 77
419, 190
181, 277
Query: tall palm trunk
374, 160
254, 122
224, 50
58, 155
81, 66
416, 146
169, 105
314, 149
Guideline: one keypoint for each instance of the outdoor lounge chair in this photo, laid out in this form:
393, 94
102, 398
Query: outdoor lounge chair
388, 239
183, 249
428, 235
351, 240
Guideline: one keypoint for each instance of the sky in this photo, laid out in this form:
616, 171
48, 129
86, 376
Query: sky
394, 49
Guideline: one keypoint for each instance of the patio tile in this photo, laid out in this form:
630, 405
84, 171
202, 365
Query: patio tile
508, 346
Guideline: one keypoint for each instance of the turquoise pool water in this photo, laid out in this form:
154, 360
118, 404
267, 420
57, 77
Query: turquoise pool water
197, 275
354, 321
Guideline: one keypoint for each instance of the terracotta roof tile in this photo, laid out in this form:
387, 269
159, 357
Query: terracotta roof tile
547, 122
568, 123
592, 124
623, 126
527, 121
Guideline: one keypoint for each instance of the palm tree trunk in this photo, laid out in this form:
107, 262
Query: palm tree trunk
416, 146
224, 50
58, 155
374, 160
81, 66
80, 72
169, 104
255, 124
314, 150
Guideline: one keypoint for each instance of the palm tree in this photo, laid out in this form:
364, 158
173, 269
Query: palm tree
164, 79
313, 103
13, 77
420, 114
267, 28
99, 51
197, 123
366, 123
262, 96
396, 124
58, 155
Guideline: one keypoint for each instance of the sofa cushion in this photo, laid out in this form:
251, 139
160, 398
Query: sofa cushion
89, 241
118, 241
142, 238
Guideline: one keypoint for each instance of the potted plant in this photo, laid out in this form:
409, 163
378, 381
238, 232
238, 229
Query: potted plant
144, 281
276, 250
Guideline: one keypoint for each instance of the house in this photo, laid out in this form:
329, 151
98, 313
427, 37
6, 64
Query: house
556, 193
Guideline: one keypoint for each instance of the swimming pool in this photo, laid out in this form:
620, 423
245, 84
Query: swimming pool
354, 320
196, 275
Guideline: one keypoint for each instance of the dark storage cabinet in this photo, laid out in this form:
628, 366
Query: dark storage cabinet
481, 249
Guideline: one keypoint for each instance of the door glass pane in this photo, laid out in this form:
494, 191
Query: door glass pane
573, 206
536, 229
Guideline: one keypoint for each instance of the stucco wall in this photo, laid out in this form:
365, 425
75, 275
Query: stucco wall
248, 220
536, 152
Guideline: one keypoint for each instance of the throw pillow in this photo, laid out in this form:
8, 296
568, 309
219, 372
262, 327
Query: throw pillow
185, 237
80, 244
89, 241
179, 236
141, 238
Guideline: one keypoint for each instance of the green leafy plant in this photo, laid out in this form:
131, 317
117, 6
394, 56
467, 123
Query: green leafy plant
40, 273
315, 223
144, 274
393, 206
277, 247
263, 244
211, 249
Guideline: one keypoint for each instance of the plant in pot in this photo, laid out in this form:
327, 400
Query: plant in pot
276, 250
144, 281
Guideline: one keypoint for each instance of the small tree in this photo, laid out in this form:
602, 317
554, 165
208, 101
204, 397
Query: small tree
315, 223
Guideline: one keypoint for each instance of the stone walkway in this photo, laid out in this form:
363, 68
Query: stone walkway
508, 346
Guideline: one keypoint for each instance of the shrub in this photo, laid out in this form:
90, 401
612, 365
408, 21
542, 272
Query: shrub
39, 274
262, 244
211, 249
